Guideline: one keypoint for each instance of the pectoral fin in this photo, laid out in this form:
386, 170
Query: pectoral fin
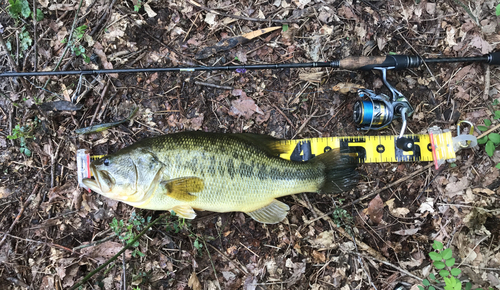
184, 211
272, 213
181, 188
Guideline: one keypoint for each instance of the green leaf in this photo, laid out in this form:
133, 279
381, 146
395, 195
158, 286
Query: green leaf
497, 166
482, 128
497, 113
450, 262
490, 148
458, 284
420, 287
285, 27
468, 286
432, 276
455, 271
444, 273
487, 122
494, 137
439, 265
482, 140
447, 254
25, 8
435, 256
437, 245
432, 288
497, 10
39, 15
426, 282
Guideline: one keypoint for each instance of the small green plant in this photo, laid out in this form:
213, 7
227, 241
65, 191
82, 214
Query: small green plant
497, 10
19, 8
443, 261
75, 45
22, 133
492, 140
127, 231
138, 6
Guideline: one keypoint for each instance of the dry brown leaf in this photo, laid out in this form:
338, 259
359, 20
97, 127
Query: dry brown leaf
149, 11
104, 251
427, 206
319, 257
4, 192
345, 88
406, 232
483, 190
457, 187
399, 211
193, 282
375, 210
481, 44
311, 77
244, 106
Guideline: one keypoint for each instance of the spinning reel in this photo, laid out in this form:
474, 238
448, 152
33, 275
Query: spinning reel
377, 111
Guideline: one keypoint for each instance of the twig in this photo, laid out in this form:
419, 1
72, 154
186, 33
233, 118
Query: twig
288, 120
53, 163
305, 123
213, 85
14, 65
86, 278
35, 65
243, 268
389, 264
240, 17
70, 41
212, 262
100, 102
18, 217
41, 37
95, 243
489, 131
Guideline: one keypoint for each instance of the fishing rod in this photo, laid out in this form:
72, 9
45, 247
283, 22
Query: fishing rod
372, 112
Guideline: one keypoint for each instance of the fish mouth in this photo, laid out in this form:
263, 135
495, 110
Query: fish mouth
101, 181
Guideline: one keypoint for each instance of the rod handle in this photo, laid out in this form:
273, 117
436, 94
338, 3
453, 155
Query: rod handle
494, 58
396, 62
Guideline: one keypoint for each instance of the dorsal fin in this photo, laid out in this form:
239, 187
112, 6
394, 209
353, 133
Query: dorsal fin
269, 144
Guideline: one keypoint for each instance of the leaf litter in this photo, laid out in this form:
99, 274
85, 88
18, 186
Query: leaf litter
457, 207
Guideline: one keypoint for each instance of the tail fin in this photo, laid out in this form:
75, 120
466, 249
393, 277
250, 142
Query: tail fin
340, 171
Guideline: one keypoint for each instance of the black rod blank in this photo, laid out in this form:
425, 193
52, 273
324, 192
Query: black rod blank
396, 62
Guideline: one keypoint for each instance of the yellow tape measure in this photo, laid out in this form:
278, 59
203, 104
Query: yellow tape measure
374, 149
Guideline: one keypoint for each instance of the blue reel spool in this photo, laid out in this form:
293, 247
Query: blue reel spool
371, 113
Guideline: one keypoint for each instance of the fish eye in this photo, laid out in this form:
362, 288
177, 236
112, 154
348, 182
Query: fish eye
106, 162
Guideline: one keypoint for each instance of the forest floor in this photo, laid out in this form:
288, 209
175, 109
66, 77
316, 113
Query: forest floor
53, 232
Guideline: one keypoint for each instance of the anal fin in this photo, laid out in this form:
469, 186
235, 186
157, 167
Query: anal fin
272, 213
184, 211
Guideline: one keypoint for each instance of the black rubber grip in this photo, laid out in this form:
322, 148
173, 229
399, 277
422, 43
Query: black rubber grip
494, 58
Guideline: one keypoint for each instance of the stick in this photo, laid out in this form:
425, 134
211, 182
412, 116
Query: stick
213, 85
489, 131
18, 217
86, 278
240, 17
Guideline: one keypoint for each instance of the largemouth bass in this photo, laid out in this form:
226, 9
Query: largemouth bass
191, 171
